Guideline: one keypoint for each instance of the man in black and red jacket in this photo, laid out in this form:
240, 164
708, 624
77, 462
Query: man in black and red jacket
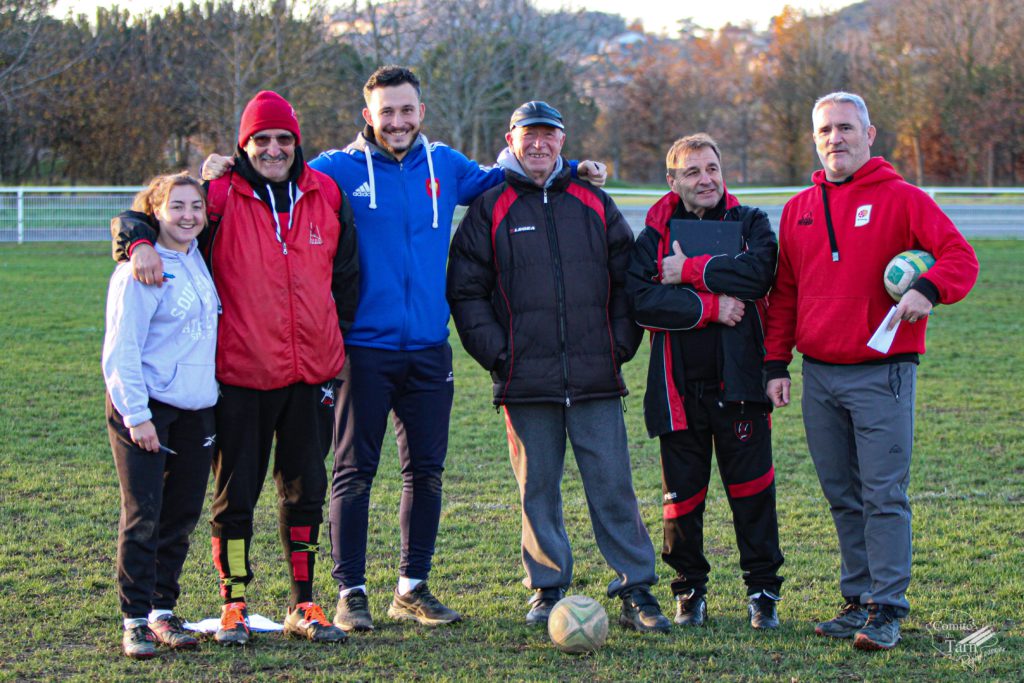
704, 384
535, 284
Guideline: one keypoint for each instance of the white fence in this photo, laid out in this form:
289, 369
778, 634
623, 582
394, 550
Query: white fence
39, 214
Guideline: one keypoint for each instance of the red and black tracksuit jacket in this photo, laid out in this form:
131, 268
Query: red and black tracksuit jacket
730, 412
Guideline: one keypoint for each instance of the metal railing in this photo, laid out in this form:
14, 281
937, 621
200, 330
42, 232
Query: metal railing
39, 214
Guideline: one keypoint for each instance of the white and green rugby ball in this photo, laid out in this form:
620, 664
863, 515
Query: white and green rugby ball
578, 624
904, 269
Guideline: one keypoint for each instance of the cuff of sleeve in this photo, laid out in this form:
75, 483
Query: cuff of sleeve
710, 304
135, 419
131, 248
693, 272
776, 369
927, 288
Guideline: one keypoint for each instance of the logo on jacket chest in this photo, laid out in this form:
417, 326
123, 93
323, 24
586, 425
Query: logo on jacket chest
362, 191
314, 235
522, 228
806, 219
433, 189
863, 216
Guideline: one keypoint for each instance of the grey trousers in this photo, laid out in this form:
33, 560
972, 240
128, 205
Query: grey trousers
597, 432
859, 421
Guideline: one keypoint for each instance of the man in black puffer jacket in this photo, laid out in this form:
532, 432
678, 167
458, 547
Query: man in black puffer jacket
535, 283
704, 385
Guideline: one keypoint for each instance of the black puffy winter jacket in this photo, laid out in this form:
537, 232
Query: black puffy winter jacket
536, 287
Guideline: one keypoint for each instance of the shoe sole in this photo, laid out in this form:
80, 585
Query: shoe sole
838, 636
140, 655
865, 643
401, 614
183, 646
231, 642
299, 635
358, 628
627, 624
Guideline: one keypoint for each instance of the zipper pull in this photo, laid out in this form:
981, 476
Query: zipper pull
546, 201
568, 403
284, 248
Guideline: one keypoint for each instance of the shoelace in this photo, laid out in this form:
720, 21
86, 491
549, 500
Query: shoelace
141, 634
356, 601
424, 595
879, 616
173, 622
233, 617
849, 607
315, 614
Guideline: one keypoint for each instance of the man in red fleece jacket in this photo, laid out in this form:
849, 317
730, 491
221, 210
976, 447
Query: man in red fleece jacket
835, 239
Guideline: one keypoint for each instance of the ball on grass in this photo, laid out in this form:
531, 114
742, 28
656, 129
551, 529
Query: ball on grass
578, 624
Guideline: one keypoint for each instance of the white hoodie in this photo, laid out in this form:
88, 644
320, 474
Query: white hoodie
161, 342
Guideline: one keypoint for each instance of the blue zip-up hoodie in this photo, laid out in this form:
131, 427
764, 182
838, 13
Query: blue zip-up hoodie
404, 229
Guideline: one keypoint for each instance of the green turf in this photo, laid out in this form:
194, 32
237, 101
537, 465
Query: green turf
59, 505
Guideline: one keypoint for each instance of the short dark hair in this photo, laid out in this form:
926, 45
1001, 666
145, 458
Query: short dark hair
389, 76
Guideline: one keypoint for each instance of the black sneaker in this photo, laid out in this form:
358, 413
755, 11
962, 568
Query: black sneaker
641, 612
420, 605
691, 609
851, 618
353, 613
541, 603
882, 630
763, 611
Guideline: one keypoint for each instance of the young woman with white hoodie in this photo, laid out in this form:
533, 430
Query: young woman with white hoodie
158, 365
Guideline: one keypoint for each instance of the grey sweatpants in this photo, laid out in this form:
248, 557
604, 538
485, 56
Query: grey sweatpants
859, 421
597, 432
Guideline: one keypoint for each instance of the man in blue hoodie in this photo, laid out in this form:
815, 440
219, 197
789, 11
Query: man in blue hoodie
404, 191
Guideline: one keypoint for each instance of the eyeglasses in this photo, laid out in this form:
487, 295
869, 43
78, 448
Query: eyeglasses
283, 140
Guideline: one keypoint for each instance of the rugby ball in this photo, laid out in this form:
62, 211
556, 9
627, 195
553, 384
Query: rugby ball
904, 269
578, 624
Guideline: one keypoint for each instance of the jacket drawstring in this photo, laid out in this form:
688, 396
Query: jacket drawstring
433, 185
369, 172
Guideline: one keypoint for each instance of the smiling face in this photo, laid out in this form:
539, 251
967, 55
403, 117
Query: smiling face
182, 217
272, 153
698, 180
395, 113
841, 139
537, 148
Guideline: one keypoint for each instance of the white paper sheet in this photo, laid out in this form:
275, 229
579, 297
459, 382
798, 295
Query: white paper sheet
881, 340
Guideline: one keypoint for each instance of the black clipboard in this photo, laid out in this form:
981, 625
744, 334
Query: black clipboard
706, 237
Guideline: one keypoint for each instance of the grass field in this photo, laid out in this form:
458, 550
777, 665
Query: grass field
59, 505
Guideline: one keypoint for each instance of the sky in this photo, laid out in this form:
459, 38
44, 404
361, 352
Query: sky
658, 16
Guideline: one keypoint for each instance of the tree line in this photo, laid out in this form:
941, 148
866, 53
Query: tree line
114, 98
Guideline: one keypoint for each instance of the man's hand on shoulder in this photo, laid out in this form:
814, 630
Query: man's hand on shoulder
215, 166
594, 172
147, 266
778, 391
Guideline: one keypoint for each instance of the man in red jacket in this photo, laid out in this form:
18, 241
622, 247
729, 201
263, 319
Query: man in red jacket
282, 251
835, 239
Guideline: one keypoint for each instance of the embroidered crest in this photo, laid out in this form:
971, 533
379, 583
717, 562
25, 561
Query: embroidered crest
806, 219
314, 235
328, 398
863, 216
434, 191
743, 429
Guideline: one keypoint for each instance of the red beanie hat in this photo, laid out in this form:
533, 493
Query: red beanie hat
267, 110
